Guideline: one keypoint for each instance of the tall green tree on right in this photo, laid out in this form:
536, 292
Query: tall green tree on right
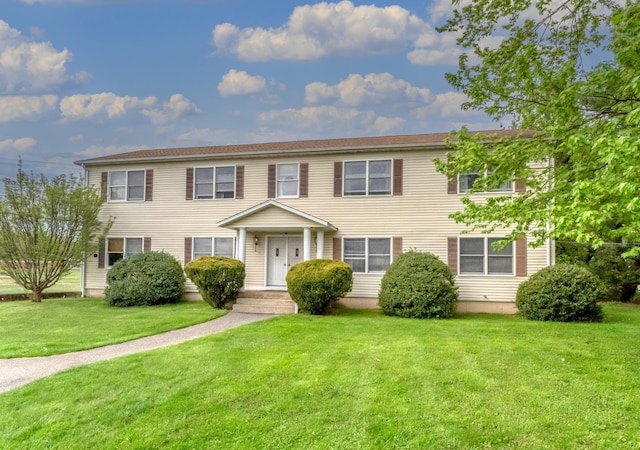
570, 73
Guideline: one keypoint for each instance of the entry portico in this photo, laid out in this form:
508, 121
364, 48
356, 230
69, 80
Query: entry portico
284, 235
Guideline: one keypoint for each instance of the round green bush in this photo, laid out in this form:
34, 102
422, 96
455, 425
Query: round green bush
218, 278
316, 283
151, 278
418, 285
561, 293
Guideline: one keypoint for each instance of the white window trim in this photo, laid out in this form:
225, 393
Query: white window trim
492, 191
126, 186
486, 259
366, 253
213, 245
366, 161
124, 247
297, 180
213, 187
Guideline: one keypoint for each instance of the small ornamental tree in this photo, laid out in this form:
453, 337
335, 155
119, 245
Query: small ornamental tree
317, 283
218, 279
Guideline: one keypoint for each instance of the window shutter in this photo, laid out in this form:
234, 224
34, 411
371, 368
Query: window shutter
452, 254
101, 255
148, 185
187, 250
271, 181
337, 248
337, 179
239, 181
189, 193
521, 257
104, 185
147, 244
452, 185
304, 180
397, 246
520, 186
397, 177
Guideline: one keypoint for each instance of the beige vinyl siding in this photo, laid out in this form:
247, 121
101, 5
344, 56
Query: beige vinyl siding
419, 215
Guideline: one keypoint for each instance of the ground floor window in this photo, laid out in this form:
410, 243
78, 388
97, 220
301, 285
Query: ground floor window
478, 257
367, 255
118, 248
209, 246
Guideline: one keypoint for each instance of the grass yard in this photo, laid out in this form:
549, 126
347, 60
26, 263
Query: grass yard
64, 325
357, 380
68, 283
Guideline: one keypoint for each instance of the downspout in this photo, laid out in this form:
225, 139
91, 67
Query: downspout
83, 289
547, 225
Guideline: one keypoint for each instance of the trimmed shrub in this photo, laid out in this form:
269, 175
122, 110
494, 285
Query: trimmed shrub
218, 278
418, 285
561, 293
150, 278
317, 283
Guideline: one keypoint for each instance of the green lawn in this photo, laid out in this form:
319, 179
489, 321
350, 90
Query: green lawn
68, 283
357, 380
65, 325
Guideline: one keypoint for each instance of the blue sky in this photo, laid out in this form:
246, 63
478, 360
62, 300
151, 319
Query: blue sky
85, 78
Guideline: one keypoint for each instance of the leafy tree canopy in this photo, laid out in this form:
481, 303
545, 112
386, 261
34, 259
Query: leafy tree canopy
568, 73
47, 226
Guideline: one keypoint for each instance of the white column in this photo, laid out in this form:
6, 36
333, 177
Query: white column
320, 244
242, 244
307, 245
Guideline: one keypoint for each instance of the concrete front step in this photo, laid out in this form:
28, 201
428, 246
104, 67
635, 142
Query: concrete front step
264, 302
265, 294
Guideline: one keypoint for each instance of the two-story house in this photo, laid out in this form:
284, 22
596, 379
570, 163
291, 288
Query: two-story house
272, 205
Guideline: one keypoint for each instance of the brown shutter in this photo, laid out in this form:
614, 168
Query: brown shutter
337, 248
397, 177
147, 244
304, 180
187, 250
189, 193
521, 257
452, 254
101, 255
452, 185
337, 179
520, 186
239, 181
271, 181
148, 185
397, 246
104, 185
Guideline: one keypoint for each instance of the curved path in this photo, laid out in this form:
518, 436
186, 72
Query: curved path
17, 372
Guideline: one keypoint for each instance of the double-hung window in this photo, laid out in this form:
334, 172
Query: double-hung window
478, 257
126, 185
118, 248
367, 255
214, 182
467, 179
287, 180
208, 246
367, 177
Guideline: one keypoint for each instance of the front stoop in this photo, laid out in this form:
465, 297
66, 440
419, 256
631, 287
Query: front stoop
264, 302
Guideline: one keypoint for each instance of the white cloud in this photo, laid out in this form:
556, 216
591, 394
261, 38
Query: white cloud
445, 105
315, 31
177, 107
29, 66
237, 82
20, 145
26, 107
76, 138
97, 150
371, 89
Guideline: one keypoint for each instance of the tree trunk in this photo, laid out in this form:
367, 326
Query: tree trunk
628, 292
36, 296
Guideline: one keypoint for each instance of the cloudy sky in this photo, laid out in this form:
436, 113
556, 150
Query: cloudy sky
84, 78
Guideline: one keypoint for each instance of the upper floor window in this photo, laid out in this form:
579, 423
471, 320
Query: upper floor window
367, 177
287, 176
126, 185
214, 182
366, 255
467, 179
207, 246
118, 248
477, 256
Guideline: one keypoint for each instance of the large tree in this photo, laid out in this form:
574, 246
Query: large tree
47, 227
569, 73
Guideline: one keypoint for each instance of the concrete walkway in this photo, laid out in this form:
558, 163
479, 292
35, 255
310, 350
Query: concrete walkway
17, 372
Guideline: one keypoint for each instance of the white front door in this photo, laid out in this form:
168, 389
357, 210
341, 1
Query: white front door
283, 252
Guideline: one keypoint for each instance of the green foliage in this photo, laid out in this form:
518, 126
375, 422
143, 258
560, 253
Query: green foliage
619, 276
218, 279
561, 293
151, 278
573, 80
418, 285
316, 283
47, 226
